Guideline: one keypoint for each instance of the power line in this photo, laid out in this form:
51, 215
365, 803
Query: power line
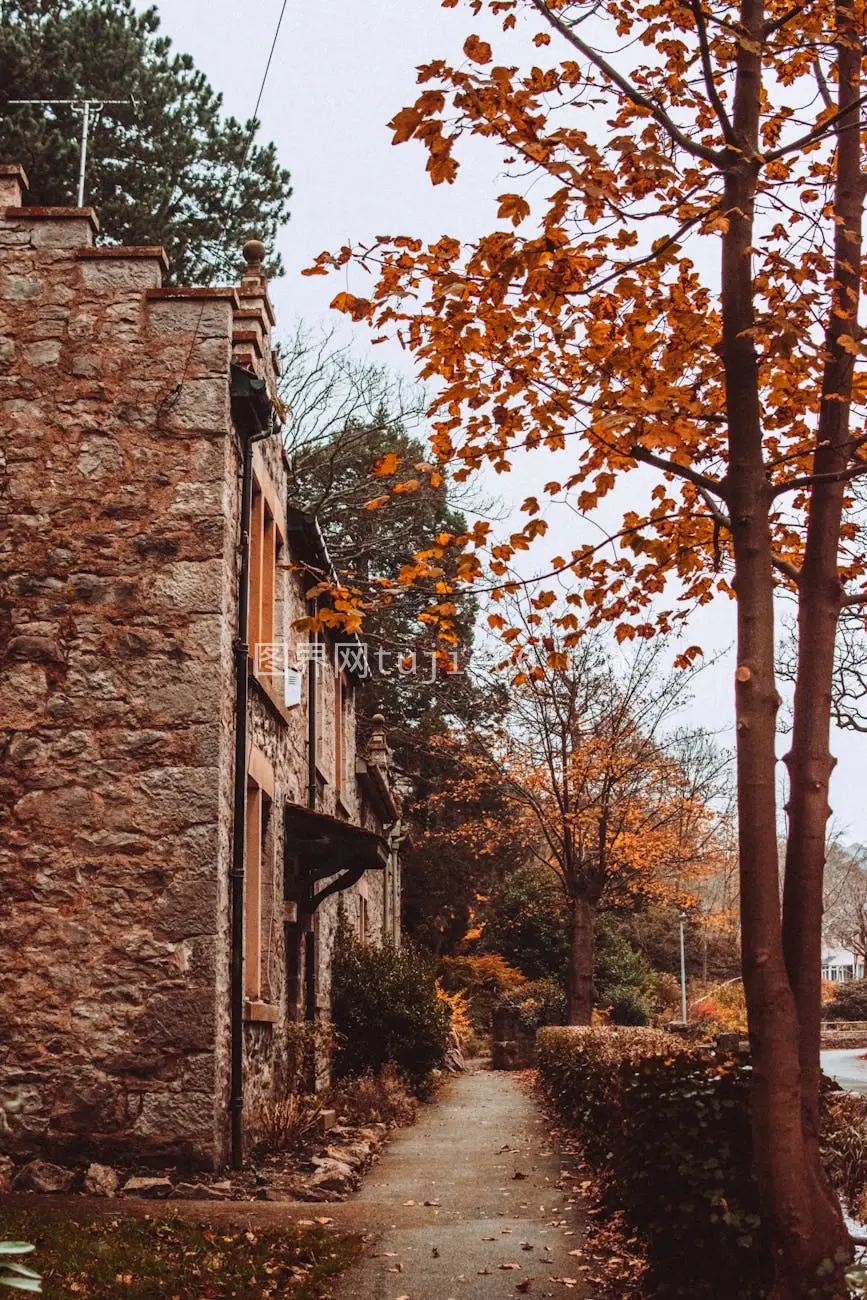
265, 75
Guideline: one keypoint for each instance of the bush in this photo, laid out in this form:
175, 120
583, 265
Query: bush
848, 1002
485, 979
526, 923
617, 964
290, 1124
385, 1011
844, 1147
626, 1005
667, 1127
541, 1002
375, 1099
721, 1009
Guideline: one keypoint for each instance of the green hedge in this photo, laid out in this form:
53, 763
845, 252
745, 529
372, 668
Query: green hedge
385, 1011
666, 1125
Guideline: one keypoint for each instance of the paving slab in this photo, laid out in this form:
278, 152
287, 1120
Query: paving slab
465, 1205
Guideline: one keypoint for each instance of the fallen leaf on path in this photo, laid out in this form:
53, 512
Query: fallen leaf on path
409, 1203
321, 1218
483, 1272
433, 1202
518, 1175
507, 1266
526, 1245
524, 1286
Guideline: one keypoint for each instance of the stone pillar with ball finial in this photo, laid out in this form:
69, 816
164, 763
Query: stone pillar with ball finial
251, 337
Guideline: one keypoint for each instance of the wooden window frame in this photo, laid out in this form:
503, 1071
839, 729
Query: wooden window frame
267, 538
260, 792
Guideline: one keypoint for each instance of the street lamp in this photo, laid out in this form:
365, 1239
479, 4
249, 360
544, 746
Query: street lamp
682, 917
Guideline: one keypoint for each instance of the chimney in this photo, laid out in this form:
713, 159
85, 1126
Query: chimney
13, 183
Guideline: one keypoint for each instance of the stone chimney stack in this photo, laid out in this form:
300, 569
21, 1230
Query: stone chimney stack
13, 183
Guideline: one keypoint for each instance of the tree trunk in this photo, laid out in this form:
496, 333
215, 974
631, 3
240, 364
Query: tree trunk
809, 761
803, 1236
582, 951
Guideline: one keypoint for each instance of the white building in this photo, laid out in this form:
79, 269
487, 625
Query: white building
839, 964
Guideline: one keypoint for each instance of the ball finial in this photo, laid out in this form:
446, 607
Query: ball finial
254, 254
378, 719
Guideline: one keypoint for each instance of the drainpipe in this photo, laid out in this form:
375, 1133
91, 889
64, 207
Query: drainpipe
312, 688
241, 652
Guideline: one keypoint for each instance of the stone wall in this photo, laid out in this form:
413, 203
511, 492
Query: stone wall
113, 661
119, 518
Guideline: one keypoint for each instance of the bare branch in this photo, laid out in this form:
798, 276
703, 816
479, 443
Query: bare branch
632, 92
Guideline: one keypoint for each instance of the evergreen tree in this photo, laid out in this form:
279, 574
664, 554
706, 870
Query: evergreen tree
166, 169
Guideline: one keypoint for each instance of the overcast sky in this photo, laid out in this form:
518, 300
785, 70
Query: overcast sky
342, 68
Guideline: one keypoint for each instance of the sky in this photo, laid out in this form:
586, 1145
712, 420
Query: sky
341, 70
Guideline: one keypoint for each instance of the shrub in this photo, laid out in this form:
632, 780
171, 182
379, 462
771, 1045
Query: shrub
667, 1127
486, 979
526, 923
617, 964
458, 1005
540, 1002
626, 1005
385, 1010
848, 1002
844, 1147
290, 1124
721, 1009
662, 991
375, 1099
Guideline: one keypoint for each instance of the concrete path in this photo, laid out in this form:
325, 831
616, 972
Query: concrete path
847, 1067
465, 1205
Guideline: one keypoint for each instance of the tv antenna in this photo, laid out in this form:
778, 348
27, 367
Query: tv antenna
86, 107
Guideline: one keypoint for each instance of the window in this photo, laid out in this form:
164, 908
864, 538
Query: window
266, 538
362, 919
259, 902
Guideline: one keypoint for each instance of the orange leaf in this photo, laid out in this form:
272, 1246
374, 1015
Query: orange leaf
477, 50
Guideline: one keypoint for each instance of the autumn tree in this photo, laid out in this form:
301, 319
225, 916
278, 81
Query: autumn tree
616, 802
676, 304
166, 167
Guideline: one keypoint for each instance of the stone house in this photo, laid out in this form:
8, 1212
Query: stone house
182, 802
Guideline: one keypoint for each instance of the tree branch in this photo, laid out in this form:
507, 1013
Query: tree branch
809, 480
632, 93
817, 132
722, 520
707, 68
710, 485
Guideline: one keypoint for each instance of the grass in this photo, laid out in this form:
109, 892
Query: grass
169, 1257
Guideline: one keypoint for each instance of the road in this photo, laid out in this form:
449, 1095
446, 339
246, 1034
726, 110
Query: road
847, 1067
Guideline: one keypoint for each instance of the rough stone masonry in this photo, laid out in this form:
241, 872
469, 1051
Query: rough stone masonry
119, 498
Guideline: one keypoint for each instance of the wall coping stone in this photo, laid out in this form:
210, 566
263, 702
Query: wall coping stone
225, 293
53, 214
124, 251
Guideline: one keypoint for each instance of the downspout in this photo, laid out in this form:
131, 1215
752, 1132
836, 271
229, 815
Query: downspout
309, 940
311, 723
241, 653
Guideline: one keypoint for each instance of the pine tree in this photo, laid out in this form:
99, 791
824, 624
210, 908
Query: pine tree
169, 169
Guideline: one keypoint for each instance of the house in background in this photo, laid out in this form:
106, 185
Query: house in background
839, 965
182, 798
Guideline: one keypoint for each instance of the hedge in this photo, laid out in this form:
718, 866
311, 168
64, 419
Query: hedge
667, 1126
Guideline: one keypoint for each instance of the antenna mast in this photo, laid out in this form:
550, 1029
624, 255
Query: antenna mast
85, 106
